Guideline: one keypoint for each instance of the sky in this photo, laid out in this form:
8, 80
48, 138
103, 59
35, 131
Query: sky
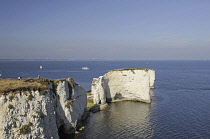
105, 29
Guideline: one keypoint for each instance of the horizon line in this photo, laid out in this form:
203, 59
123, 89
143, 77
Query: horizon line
28, 59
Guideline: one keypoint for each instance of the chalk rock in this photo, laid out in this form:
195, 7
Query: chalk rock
71, 106
98, 89
133, 84
42, 116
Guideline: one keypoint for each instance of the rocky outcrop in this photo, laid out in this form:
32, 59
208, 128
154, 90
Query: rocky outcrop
36, 114
127, 84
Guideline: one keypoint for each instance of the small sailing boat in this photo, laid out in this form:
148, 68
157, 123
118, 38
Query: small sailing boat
85, 68
40, 67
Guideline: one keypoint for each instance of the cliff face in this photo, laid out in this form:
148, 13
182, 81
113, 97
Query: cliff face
131, 84
34, 114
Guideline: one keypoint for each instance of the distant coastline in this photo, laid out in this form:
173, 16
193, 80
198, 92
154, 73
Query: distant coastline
99, 60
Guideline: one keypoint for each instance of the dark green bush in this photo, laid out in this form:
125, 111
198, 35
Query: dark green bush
14, 126
30, 97
34, 116
10, 106
42, 115
25, 128
11, 98
43, 92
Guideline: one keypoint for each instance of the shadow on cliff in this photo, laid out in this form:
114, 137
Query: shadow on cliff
107, 92
60, 119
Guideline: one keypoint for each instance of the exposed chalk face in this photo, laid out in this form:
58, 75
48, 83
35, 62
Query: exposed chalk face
98, 88
43, 115
152, 77
123, 84
68, 115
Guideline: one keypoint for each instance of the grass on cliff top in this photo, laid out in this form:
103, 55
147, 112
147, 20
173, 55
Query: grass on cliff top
13, 85
70, 81
146, 69
90, 103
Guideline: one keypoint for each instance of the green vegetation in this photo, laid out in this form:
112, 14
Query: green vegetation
43, 92
152, 87
10, 106
11, 98
26, 84
55, 82
88, 93
131, 99
25, 128
14, 126
30, 97
42, 115
30, 124
34, 116
89, 99
69, 102
14, 86
90, 103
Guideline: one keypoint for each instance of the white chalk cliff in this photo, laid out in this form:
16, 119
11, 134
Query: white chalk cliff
42, 116
132, 84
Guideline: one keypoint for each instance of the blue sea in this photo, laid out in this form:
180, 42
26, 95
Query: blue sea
180, 108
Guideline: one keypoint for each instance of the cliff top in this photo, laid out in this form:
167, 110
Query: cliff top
13, 85
26, 84
146, 69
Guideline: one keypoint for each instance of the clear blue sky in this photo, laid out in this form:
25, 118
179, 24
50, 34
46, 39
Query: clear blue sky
105, 29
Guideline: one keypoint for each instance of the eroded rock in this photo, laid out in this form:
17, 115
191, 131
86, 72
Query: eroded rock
30, 114
128, 84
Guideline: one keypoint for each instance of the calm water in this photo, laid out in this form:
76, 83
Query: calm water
179, 110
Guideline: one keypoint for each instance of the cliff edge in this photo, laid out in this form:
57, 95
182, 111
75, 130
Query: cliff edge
45, 110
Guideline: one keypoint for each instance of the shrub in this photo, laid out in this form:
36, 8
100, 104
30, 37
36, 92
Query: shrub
14, 126
30, 124
25, 128
10, 106
42, 115
11, 98
34, 116
30, 97
43, 92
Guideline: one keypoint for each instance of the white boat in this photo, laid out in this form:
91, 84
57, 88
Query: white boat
85, 68
40, 67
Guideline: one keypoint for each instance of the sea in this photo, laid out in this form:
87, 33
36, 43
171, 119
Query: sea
180, 107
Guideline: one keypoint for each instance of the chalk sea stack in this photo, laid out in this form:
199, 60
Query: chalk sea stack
124, 84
